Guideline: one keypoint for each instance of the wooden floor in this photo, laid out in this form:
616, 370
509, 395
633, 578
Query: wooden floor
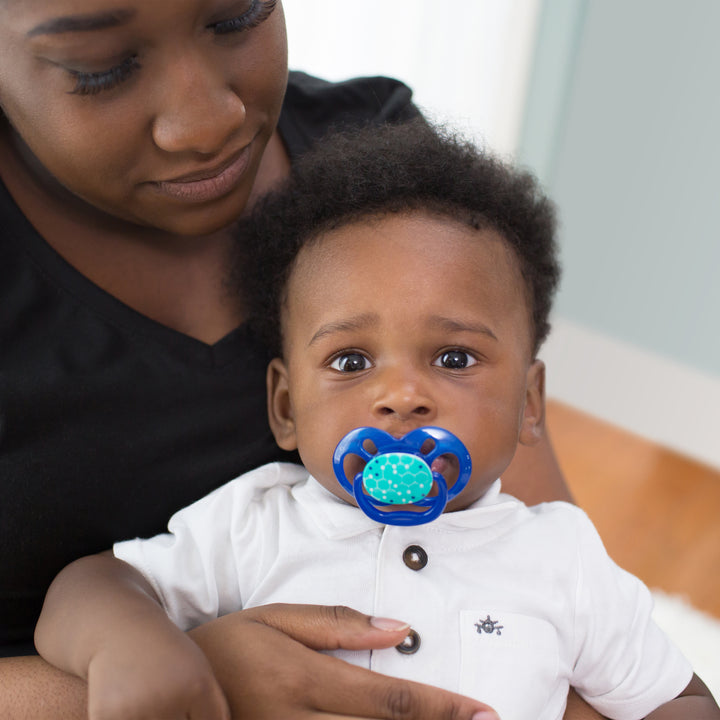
658, 512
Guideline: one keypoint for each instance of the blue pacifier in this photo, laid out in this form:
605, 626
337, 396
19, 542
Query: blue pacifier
398, 473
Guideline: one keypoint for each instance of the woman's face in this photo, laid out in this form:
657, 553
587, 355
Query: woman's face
153, 111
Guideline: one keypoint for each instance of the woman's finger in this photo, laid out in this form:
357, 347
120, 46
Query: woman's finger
359, 691
266, 673
329, 627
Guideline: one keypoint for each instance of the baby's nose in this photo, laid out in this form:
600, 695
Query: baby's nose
404, 395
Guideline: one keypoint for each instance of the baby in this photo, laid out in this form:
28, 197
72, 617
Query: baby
403, 279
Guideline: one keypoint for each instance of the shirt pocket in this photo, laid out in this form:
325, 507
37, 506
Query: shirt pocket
510, 661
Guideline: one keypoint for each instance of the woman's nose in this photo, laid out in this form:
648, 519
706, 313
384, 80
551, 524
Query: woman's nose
404, 395
197, 110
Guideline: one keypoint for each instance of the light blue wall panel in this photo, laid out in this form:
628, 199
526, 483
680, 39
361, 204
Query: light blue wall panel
623, 124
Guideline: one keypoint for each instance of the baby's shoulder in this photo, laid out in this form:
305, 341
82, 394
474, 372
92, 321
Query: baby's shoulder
250, 488
562, 520
273, 477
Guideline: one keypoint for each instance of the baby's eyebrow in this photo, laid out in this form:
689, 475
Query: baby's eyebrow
82, 23
358, 322
455, 325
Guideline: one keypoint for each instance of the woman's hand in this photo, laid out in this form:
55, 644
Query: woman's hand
266, 662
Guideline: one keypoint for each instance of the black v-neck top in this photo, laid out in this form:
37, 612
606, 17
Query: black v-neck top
109, 421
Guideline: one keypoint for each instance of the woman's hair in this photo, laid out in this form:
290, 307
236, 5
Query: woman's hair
373, 171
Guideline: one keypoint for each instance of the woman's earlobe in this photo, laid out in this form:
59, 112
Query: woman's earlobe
280, 412
533, 421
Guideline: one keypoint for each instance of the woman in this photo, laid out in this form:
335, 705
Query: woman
134, 134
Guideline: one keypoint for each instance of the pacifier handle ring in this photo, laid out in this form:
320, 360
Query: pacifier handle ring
400, 517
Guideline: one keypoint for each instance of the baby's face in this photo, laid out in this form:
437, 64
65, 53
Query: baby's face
401, 322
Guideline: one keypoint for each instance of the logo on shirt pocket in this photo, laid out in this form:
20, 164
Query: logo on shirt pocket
488, 626
508, 660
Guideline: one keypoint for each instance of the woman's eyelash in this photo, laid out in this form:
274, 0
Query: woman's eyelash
259, 11
95, 82
92, 83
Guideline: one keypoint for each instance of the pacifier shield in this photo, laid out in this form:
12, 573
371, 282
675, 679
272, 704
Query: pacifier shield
397, 478
399, 472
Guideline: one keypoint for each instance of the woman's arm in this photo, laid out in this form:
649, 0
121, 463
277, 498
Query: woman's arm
30, 688
284, 675
266, 661
534, 475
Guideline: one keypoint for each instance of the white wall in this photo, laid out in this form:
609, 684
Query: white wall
466, 60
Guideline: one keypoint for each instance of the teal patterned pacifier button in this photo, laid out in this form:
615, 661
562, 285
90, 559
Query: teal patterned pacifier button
397, 478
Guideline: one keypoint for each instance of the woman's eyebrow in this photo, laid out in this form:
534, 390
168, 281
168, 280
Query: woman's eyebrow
82, 23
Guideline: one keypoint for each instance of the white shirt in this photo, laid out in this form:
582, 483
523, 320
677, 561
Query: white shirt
559, 611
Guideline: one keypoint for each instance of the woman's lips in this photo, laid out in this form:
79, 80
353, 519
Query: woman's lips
207, 185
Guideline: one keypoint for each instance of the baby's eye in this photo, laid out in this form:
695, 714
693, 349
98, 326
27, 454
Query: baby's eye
350, 362
455, 360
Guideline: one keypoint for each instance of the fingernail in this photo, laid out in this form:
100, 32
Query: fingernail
390, 625
484, 715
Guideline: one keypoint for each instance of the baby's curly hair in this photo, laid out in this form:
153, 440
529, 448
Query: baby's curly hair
373, 171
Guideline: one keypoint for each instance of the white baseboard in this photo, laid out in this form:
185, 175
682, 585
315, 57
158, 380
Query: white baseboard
657, 398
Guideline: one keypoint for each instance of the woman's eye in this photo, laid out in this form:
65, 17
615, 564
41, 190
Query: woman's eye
91, 83
351, 362
258, 12
455, 360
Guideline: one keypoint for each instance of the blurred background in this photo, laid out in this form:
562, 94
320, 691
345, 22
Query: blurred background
614, 105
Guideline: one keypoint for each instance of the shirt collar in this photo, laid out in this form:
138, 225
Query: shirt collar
338, 519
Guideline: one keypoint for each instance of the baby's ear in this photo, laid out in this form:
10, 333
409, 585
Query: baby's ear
280, 413
533, 421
